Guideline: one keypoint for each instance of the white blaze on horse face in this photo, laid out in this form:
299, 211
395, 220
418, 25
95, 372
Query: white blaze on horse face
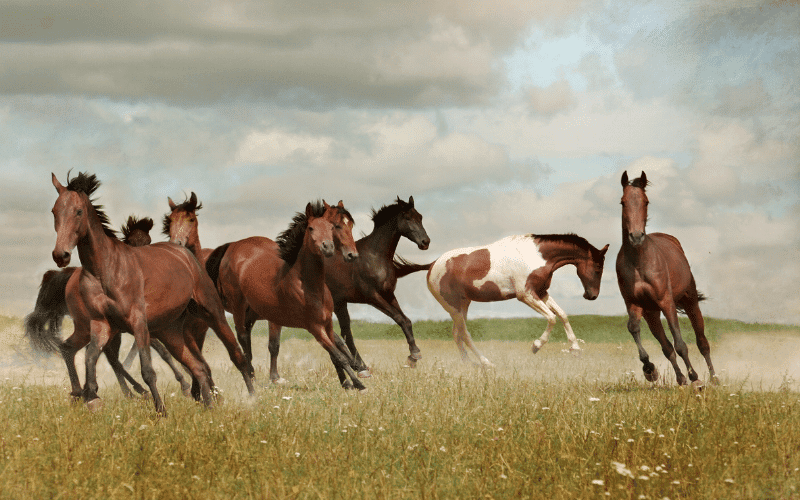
512, 259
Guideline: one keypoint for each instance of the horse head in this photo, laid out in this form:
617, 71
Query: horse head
590, 272
634, 209
342, 223
319, 233
71, 213
180, 224
409, 223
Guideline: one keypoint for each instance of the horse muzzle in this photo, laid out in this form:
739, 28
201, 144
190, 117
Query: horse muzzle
327, 248
424, 243
590, 295
636, 238
350, 256
61, 258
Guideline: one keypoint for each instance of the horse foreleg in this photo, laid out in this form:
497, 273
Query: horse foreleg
698, 325
575, 347
68, 349
634, 327
542, 308
141, 334
100, 332
210, 311
274, 349
343, 315
465, 339
184, 349
342, 360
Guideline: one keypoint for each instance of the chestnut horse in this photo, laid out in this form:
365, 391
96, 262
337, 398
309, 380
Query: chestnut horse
372, 278
43, 325
284, 282
518, 267
654, 277
141, 290
180, 225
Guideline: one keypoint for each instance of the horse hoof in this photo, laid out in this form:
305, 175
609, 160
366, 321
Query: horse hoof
416, 356
652, 375
485, 363
362, 391
187, 392
715, 380
280, 381
575, 351
364, 374
411, 362
95, 404
698, 385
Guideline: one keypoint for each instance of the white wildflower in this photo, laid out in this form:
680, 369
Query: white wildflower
622, 470
598, 482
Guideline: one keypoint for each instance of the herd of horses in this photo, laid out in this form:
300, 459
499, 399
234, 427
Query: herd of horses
168, 294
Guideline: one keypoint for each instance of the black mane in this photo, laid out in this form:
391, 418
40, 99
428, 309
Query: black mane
389, 212
88, 184
136, 224
637, 183
188, 206
291, 240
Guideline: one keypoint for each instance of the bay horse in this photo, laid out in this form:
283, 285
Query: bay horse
43, 324
372, 278
283, 282
654, 277
180, 225
143, 290
520, 267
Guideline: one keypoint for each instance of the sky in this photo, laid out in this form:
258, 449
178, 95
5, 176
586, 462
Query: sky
500, 118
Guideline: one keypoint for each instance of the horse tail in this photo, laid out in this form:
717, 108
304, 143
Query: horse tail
43, 325
214, 260
682, 309
402, 267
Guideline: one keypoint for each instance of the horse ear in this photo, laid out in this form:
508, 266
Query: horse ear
604, 250
193, 200
57, 184
341, 204
624, 178
644, 179
309, 210
172, 204
411, 201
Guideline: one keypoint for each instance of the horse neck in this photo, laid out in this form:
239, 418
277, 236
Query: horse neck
193, 243
310, 268
96, 249
383, 239
561, 253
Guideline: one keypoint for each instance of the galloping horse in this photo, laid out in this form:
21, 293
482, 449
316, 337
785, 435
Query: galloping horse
518, 267
43, 325
654, 277
141, 290
180, 225
372, 278
284, 282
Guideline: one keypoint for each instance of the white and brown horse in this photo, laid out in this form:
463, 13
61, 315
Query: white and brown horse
518, 267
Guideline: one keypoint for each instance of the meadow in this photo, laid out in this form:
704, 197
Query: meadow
550, 425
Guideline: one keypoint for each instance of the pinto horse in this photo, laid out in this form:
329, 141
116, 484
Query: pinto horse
372, 278
284, 283
518, 267
654, 277
143, 290
43, 325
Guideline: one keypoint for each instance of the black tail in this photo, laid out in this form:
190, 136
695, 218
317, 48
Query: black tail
402, 267
214, 260
682, 309
43, 325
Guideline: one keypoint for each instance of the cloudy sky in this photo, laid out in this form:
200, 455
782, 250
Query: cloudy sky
501, 117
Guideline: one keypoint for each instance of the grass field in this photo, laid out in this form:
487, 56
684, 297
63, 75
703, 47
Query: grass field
550, 425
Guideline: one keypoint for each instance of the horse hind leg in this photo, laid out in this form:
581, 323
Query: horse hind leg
274, 349
653, 319
671, 314
692, 308
542, 307
343, 315
167, 357
465, 339
111, 351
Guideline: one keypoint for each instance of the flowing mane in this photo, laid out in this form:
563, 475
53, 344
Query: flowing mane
188, 206
88, 184
388, 212
145, 225
571, 238
290, 241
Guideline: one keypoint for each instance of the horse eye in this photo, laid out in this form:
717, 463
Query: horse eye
338, 226
311, 229
80, 212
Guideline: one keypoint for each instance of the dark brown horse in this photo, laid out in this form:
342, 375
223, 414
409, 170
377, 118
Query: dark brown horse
654, 277
141, 290
43, 325
284, 282
518, 267
372, 278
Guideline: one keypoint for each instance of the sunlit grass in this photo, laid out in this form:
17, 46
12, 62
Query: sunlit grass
549, 425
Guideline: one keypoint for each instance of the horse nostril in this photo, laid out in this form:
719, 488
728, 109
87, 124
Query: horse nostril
351, 256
